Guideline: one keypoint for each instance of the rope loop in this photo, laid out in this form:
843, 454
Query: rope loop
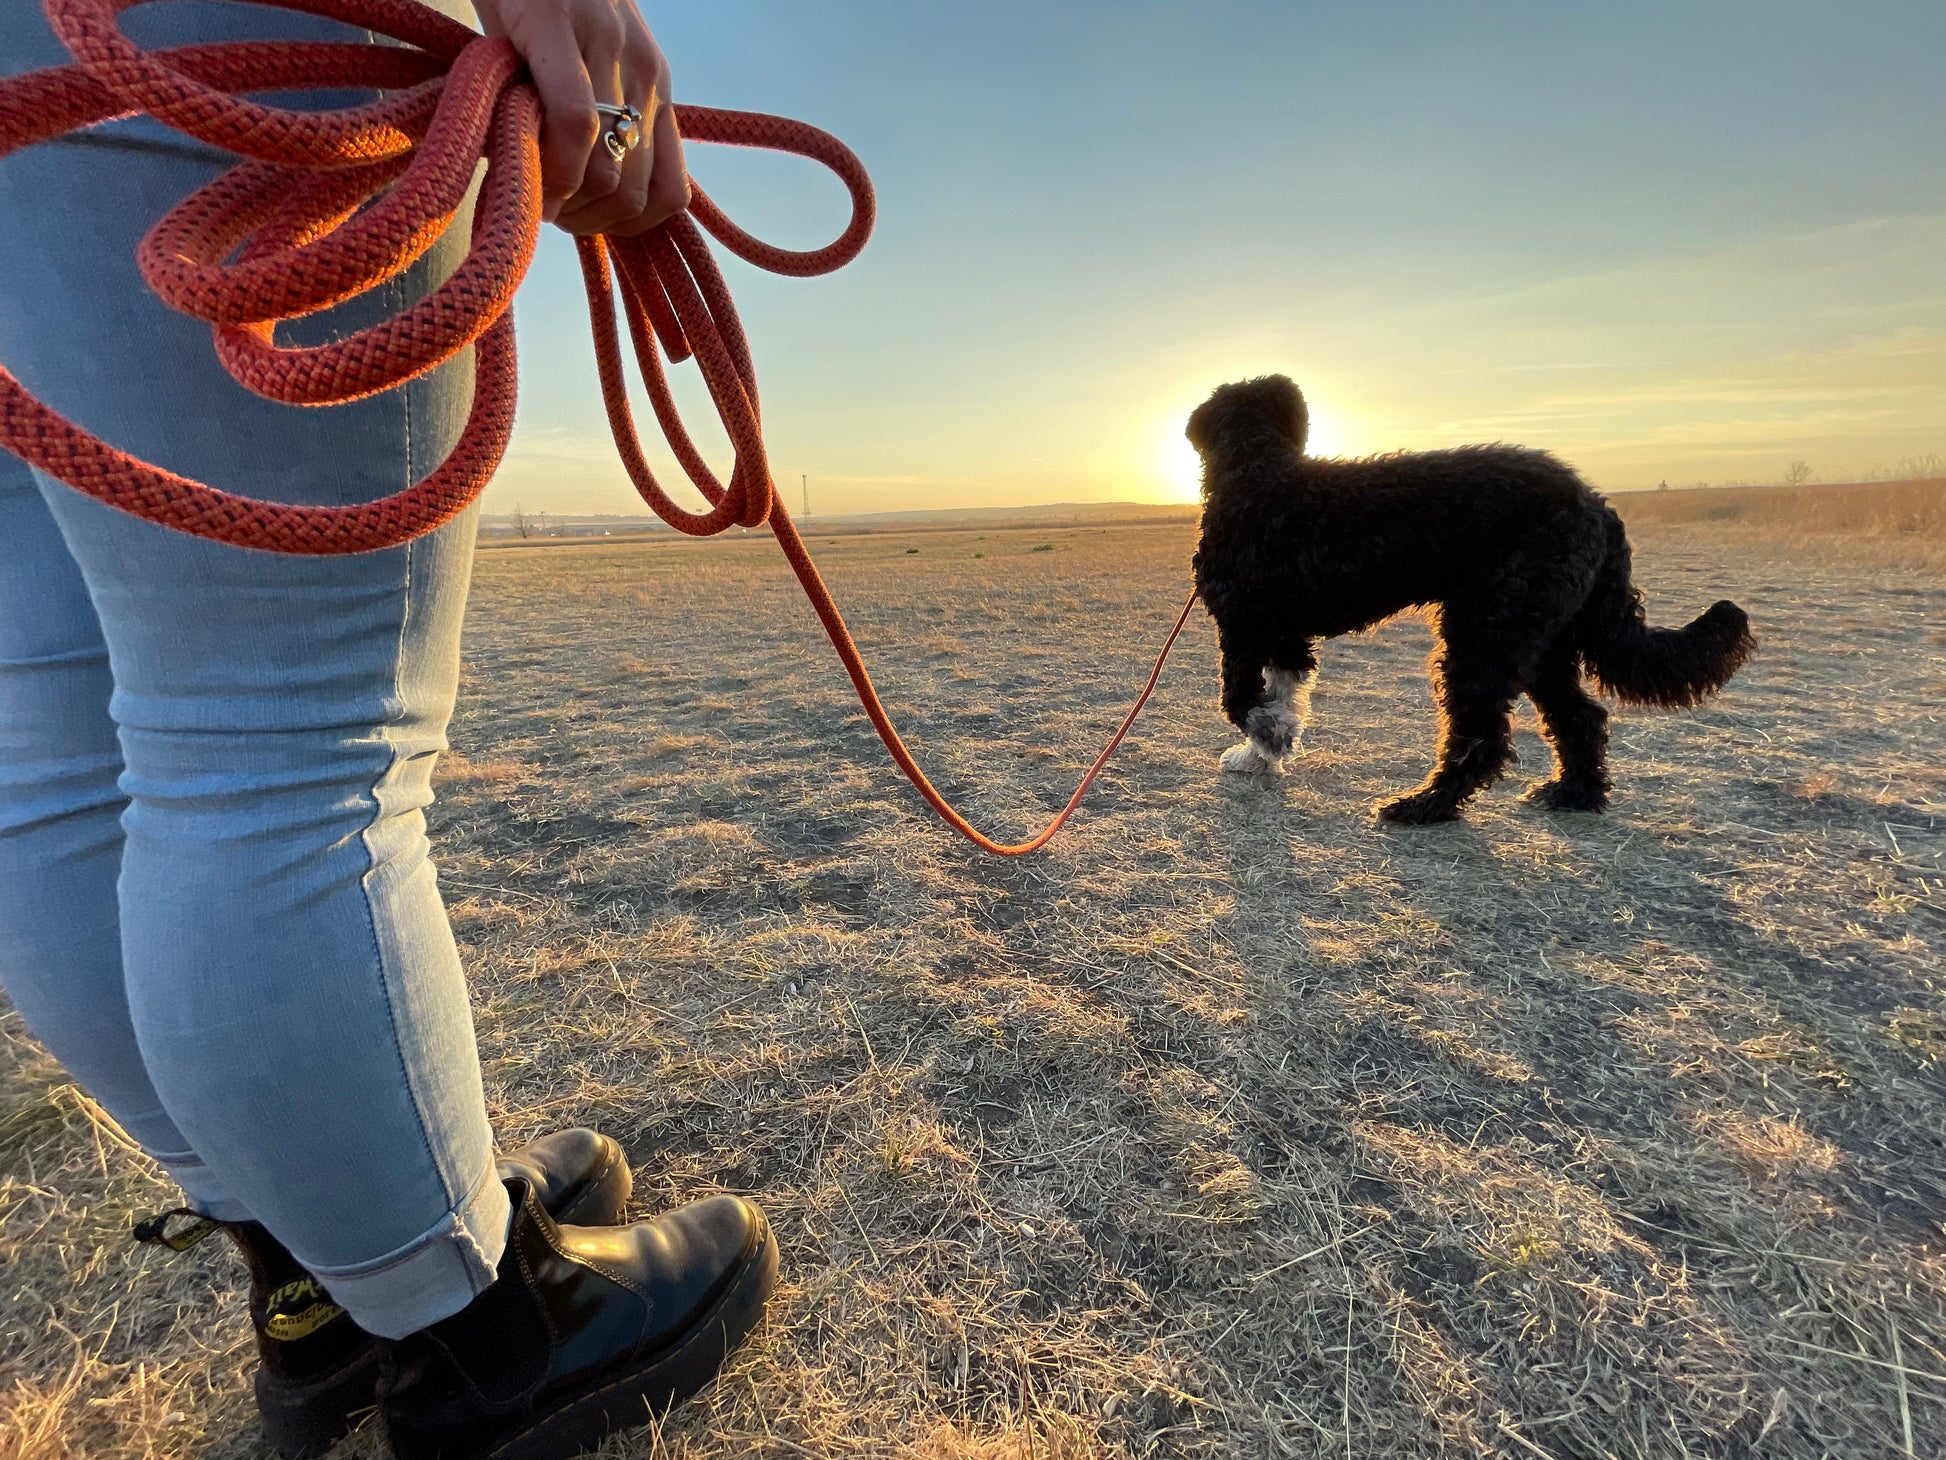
327, 205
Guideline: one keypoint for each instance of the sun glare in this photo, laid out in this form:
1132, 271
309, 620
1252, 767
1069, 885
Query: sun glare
1330, 435
1182, 469
1179, 469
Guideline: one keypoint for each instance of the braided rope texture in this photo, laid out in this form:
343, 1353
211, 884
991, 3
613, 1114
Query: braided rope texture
325, 205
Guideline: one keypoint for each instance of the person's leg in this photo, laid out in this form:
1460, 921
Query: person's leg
291, 980
291, 976
61, 835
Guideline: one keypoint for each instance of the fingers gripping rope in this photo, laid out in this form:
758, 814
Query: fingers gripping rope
327, 205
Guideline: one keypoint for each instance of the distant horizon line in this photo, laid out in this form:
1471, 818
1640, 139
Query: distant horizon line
1162, 509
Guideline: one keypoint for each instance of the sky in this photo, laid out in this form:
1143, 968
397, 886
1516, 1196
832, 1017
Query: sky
1684, 242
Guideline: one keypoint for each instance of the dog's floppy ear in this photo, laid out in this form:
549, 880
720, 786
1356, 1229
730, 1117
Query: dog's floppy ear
1202, 421
1283, 402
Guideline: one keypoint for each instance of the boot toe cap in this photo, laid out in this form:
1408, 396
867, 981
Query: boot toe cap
581, 1176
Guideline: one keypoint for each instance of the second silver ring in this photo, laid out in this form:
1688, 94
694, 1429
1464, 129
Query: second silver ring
623, 134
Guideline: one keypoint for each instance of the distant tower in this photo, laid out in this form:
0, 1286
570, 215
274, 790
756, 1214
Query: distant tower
804, 481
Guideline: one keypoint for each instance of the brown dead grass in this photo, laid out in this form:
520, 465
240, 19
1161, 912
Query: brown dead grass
1886, 522
1234, 1125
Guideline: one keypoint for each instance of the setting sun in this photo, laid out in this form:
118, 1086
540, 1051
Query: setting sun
1179, 469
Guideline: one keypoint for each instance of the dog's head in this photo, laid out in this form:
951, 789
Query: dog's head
1237, 414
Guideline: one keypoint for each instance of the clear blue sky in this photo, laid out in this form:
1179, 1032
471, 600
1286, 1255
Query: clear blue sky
1688, 241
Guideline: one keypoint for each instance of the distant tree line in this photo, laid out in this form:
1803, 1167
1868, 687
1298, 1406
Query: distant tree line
1924, 467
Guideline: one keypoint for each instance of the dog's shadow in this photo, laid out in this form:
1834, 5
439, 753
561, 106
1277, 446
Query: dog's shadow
1267, 818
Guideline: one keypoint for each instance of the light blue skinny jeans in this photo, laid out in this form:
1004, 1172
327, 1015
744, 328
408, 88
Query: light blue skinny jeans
216, 903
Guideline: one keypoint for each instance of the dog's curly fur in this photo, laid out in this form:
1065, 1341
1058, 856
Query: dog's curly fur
1524, 566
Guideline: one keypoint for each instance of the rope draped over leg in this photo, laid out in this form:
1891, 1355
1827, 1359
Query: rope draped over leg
324, 206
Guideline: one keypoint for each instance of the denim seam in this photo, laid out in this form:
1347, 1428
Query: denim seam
371, 856
97, 653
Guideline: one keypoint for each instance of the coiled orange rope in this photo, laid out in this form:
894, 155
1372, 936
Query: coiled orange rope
326, 205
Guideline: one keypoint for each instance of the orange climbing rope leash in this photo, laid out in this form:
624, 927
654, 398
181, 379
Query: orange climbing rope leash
326, 205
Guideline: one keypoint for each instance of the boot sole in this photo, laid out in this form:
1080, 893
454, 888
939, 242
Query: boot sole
635, 1394
302, 1420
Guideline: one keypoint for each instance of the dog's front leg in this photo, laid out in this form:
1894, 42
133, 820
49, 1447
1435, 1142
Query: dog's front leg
1277, 725
1266, 716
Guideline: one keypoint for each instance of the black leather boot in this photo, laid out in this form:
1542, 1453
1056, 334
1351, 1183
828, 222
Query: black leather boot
585, 1331
317, 1369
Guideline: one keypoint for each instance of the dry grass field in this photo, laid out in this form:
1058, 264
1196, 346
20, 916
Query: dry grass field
1233, 1125
1897, 522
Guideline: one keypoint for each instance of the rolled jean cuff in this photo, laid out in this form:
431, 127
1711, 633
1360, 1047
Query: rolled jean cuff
203, 1190
434, 1275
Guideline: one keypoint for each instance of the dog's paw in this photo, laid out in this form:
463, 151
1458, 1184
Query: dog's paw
1419, 808
1275, 730
1566, 796
1248, 759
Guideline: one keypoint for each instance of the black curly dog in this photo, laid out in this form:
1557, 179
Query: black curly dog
1524, 566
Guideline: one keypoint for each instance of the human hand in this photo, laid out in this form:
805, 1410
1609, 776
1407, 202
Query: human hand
581, 52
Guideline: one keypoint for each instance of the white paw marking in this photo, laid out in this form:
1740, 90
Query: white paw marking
1288, 708
1291, 692
1248, 759
1280, 722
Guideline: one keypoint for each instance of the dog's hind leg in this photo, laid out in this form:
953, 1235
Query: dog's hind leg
1577, 727
1475, 690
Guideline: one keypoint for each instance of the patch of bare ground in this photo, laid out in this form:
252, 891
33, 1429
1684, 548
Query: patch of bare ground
1232, 1126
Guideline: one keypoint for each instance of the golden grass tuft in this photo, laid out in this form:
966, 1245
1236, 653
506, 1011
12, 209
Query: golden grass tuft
459, 770
1770, 1145
1819, 786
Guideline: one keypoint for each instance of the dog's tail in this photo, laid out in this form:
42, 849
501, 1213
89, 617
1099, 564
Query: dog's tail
1669, 668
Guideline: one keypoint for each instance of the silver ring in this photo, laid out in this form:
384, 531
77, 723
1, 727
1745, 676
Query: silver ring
624, 131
